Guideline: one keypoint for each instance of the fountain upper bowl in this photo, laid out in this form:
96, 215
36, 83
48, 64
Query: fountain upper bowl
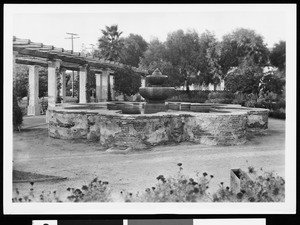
156, 94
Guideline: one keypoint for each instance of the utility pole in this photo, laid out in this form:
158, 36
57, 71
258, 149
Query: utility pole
72, 38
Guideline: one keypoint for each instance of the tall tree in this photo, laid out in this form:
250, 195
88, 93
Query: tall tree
277, 55
156, 57
182, 52
127, 82
110, 47
242, 45
134, 47
110, 44
209, 59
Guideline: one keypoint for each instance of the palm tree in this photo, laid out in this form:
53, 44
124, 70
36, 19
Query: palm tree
110, 44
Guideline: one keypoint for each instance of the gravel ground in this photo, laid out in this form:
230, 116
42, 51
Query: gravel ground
80, 162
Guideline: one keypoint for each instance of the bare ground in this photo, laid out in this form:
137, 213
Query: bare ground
81, 161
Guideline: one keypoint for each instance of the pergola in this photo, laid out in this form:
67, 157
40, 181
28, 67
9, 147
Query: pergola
36, 54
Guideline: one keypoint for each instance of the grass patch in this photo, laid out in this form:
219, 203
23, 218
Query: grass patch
21, 176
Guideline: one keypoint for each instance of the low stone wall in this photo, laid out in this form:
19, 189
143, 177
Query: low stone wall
223, 126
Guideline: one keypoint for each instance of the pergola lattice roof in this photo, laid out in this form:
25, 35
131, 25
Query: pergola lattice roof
34, 53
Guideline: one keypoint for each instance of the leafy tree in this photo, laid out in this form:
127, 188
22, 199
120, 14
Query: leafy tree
110, 44
209, 59
182, 52
110, 47
127, 81
134, 47
244, 79
242, 45
155, 57
277, 55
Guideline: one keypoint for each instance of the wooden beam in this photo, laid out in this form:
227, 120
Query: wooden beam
44, 63
31, 62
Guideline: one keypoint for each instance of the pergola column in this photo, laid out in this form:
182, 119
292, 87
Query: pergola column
52, 82
105, 75
33, 82
82, 83
63, 85
98, 87
112, 83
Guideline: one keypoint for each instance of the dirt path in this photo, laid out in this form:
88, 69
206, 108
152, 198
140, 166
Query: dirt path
35, 152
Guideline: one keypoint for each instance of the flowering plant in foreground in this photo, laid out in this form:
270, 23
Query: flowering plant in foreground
262, 187
95, 191
178, 188
50, 196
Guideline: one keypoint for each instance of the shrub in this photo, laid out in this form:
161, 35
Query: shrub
263, 187
194, 96
95, 191
278, 114
179, 188
224, 97
50, 196
17, 114
44, 106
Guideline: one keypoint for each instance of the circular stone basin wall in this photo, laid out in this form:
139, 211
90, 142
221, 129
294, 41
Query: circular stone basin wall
224, 125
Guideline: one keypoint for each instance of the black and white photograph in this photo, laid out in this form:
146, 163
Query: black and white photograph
149, 108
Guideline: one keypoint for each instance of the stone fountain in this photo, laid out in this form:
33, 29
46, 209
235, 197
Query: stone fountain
222, 125
156, 94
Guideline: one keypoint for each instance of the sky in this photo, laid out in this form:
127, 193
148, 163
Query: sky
50, 23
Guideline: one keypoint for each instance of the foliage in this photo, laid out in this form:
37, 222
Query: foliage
155, 57
182, 51
17, 113
44, 106
274, 102
177, 57
95, 191
224, 97
179, 188
209, 60
277, 55
43, 82
21, 81
242, 45
194, 96
134, 47
127, 81
90, 84
110, 43
50, 196
272, 82
245, 78
262, 187
278, 113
